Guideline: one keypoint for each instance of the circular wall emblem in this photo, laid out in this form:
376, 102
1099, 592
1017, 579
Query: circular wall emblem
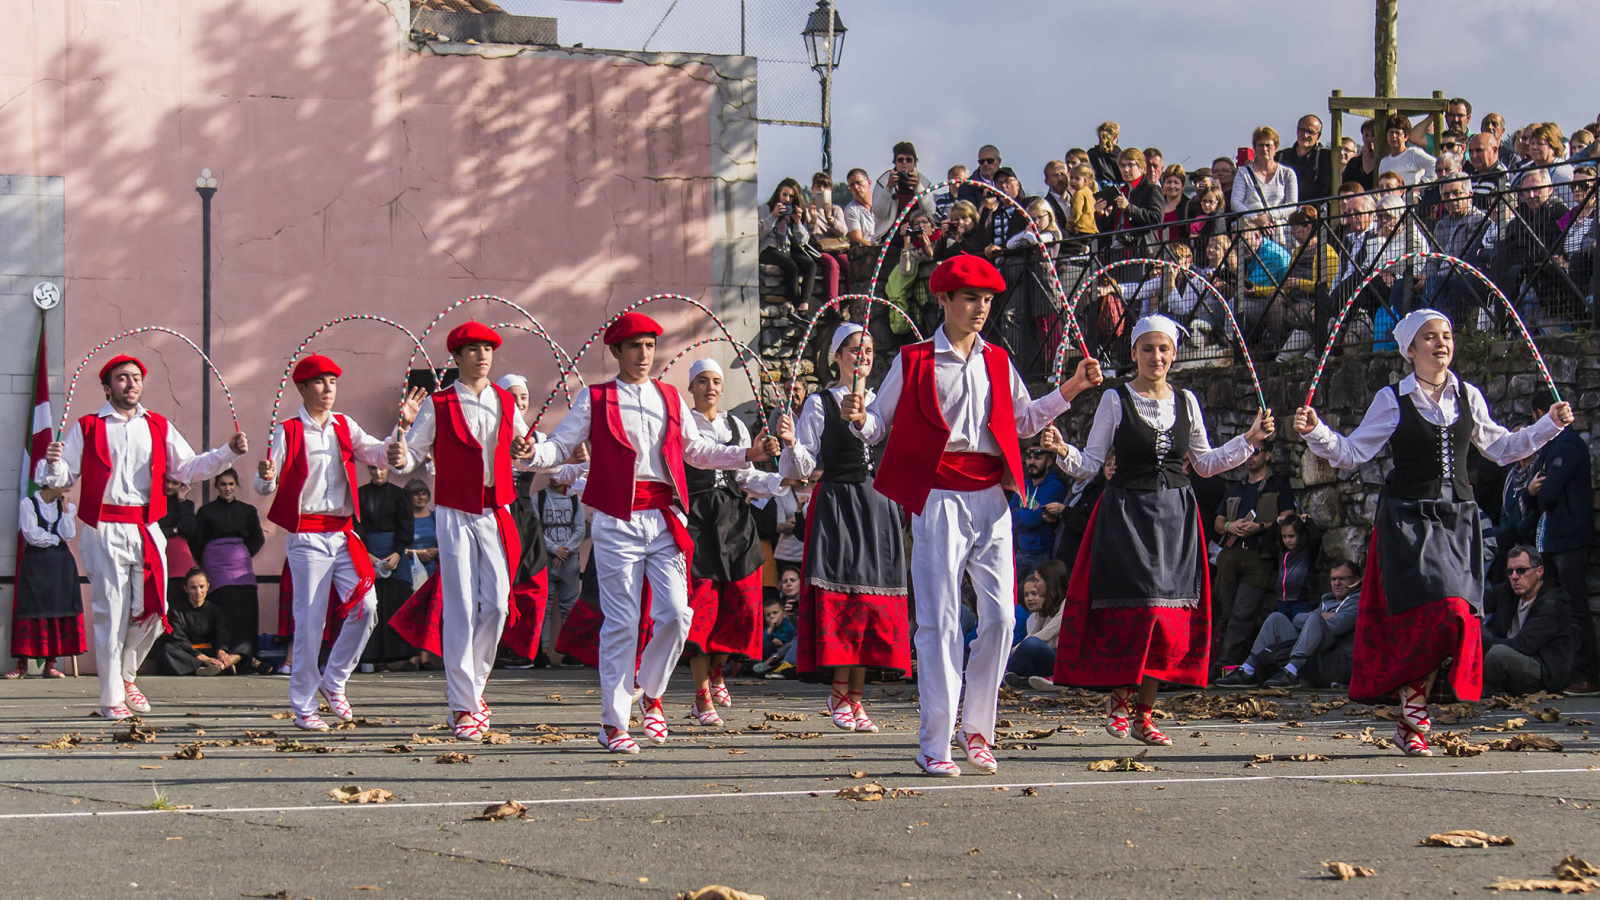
46, 295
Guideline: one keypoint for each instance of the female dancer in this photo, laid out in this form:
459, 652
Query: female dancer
1138, 608
852, 610
725, 578
1422, 592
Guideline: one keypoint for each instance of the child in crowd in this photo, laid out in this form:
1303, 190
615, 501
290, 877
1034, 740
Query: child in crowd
1034, 657
1080, 182
778, 633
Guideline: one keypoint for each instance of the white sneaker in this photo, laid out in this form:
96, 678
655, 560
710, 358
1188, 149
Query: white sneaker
312, 722
116, 713
136, 699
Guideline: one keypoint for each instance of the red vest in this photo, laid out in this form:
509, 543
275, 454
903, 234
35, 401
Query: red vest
919, 433
458, 457
285, 511
95, 468
612, 459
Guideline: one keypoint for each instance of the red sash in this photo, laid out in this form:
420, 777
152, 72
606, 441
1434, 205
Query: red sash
657, 495
968, 471
155, 567
360, 560
419, 620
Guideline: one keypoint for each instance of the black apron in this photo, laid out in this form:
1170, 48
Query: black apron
48, 585
854, 540
722, 523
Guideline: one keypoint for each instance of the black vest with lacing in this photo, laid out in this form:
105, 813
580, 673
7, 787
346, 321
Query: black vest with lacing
1427, 456
1148, 459
842, 455
700, 481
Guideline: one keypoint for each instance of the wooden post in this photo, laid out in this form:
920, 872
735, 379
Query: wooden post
1336, 119
1385, 54
1438, 123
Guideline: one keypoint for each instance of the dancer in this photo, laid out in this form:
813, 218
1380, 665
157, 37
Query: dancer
472, 429
640, 435
132, 451
47, 615
952, 443
317, 504
1422, 594
1138, 608
852, 611
725, 579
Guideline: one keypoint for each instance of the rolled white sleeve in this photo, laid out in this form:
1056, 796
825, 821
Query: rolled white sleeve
799, 460
1084, 464
702, 453
880, 412
186, 466
33, 530
65, 470
1369, 438
567, 436
1499, 445
416, 442
1205, 461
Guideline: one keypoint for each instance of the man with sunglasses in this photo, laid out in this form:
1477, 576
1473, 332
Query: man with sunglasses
1527, 638
898, 187
1036, 509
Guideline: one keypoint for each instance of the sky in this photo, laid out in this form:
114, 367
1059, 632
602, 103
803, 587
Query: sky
1035, 77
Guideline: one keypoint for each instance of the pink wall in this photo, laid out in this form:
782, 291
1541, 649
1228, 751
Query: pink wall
360, 175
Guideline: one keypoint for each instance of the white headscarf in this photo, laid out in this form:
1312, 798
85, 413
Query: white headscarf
1406, 329
842, 334
1157, 323
704, 365
506, 381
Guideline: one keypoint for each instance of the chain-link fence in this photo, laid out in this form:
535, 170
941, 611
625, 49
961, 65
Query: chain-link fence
766, 29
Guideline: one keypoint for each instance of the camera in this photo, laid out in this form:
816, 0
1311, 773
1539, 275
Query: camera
906, 180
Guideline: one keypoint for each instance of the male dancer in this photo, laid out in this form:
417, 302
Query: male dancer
953, 443
132, 452
640, 434
317, 452
472, 429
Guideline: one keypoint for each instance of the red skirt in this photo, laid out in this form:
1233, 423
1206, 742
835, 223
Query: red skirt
580, 633
1122, 646
1398, 649
727, 616
838, 629
419, 622
33, 638
530, 598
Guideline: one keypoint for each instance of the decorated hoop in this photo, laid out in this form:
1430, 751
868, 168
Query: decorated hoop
288, 369
1205, 283
564, 362
805, 338
72, 386
1065, 310
1470, 269
534, 326
653, 298
741, 351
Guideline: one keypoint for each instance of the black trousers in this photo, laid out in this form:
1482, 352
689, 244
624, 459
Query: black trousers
799, 270
1571, 570
1240, 601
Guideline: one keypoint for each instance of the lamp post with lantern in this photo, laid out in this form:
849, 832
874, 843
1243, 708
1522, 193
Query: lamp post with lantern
824, 37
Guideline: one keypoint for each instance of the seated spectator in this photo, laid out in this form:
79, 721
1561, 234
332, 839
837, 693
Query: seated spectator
1033, 659
1036, 508
1544, 145
1413, 164
1292, 318
1577, 246
1293, 642
824, 219
1264, 184
1578, 144
1104, 155
999, 221
1488, 172
1133, 203
1312, 163
778, 661
1348, 149
861, 227
1264, 262
955, 180
898, 187
1523, 262
1447, 166
907, 284
199, 643
777, 633
785, 243
960, 233
1459, 232
1363, 167
1218, 267
1527, 633
1562, 492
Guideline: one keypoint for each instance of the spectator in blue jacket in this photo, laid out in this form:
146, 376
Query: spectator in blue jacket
1036, 509
1292, 641
1562, 492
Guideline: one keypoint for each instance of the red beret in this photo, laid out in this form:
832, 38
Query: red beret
315, 366
631, 325
471, 333
965, 271
121, 359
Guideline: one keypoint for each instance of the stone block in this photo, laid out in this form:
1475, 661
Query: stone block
1323, 505
1346, 542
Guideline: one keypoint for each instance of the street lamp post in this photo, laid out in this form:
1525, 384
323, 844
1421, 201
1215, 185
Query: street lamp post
824, 37
206, 187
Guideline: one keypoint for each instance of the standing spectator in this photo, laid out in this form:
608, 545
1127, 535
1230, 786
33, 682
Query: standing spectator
179, 527
1527, 638
1460, 232
824, 219
1563, 492
1413, 164
1058, 191
1154, 161
422, 559
1243, 523
1292, 641
1578, 144
1174, 205
785, 243
1347, 150
229, 537
1312, 163
1488, 173
791, 508
1033, 659
898, 187
1036, 508
861, 227
1133, 203
385, 528
1363, 168
989, 161
999, 221
1105, 155
1545, 144
1080, 220
1264, 184
955, 182
47, 612
1208, 207
565, 527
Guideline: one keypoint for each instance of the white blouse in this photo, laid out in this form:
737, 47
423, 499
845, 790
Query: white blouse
750, 479
36, 529
1160, 414
801, 459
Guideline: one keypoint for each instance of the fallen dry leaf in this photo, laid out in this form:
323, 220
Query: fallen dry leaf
1554, 885
718, 892
495, 812
858, 774
1344, 871
452, 757
294, 746
1466, 837
280, 715
1125, 764
1382, 743
785, 717
1307, 757
397, 748
496, 737
873, 791
1573, 868
187, 751
1456, 744
353, 794
1549, 714
65, 742
137, 733
1030, 792
796, 735
1527, 742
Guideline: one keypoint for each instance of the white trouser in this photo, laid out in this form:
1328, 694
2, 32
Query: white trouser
318, 561
961, 532
477, 594
113, 554
626, 553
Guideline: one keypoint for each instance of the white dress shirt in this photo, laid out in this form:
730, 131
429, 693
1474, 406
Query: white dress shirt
128, 441
1160, 414
801, 459
482, 415
326, 491
750, 479
1498, 445
644, 421
962, 384
36, 529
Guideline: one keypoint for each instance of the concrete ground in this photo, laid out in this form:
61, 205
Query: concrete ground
754, 805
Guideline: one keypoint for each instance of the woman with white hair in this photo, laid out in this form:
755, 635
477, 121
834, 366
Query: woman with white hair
1138, 607
1422, 592
852, 611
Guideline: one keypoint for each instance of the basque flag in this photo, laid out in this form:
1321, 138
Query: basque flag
36, 434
